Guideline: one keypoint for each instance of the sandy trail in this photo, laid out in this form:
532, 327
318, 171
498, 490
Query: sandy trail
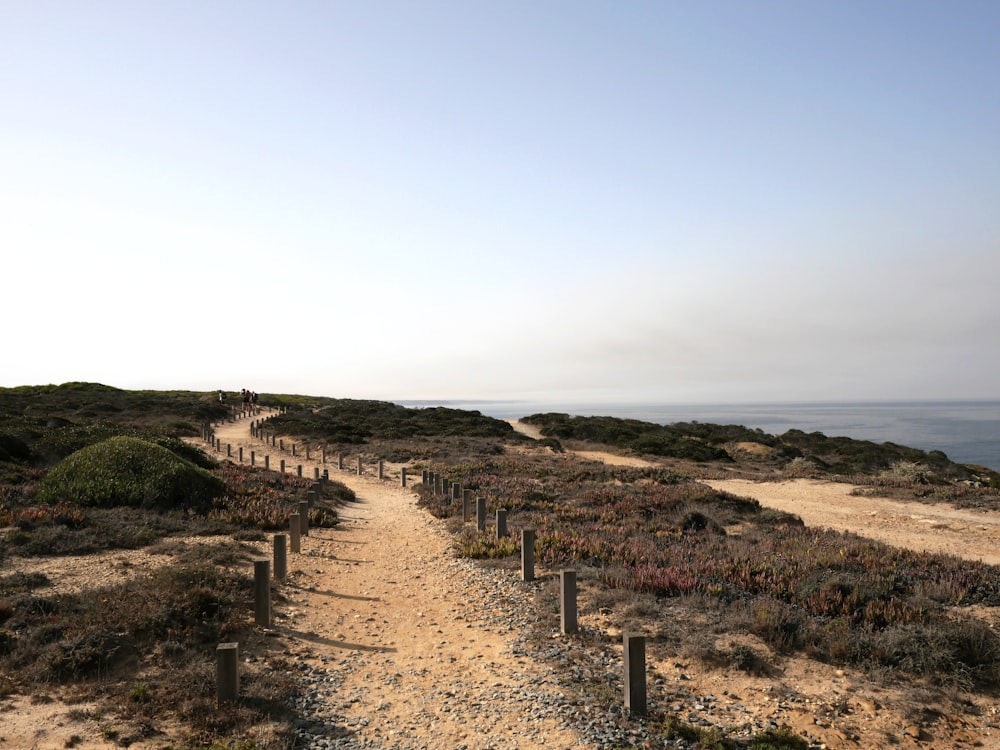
383, 597
970, 534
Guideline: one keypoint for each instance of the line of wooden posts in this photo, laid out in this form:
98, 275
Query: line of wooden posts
227, 661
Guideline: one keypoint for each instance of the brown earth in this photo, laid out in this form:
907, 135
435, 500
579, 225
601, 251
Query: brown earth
382, 605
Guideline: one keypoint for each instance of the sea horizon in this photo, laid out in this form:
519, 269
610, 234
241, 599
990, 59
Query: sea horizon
966, 430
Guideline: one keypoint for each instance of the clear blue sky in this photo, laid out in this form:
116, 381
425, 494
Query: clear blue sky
673, 201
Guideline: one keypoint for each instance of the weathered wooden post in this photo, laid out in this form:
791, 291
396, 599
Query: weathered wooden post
281, 444
340, 461
241, 454
307, 453
481, 513
262, 591
402, 477
293, 450
229, 450
456, 490
567, 601
437, 483
423, 476
295, 532
282, 466
381, 469
316, 472
501, 523
253, 458
267, 463
466, 505
527, 554
446, 486
298, 470
304, 518
280, 556
635, 673
227, 674
360, 471
324, 455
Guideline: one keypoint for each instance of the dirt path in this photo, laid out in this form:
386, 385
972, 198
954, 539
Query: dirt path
416, 648
973, 535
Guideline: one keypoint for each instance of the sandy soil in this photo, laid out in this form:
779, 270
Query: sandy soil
382, 602
970, 534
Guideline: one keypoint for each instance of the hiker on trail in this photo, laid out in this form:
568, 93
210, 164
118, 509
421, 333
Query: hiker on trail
222, 397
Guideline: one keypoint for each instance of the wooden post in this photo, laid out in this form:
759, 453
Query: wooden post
340, 461
304, 518
227, 675
241, 454
456, 490
635, 673
253, 458
466, 505
229, 450
282, 466
501, 523
402, 476
359, 466
298, 470
280, 556
295, 532
381, 469
262, 591
527, 554
267, 463
481, 513
567, 601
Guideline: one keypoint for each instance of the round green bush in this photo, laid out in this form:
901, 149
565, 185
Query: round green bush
127, 471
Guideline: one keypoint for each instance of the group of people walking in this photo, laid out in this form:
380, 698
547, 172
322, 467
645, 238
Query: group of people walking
249, 398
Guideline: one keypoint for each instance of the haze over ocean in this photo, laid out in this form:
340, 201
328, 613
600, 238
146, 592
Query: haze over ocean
966, 431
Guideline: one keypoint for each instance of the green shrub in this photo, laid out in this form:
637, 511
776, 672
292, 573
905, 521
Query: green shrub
783, 738
125, 471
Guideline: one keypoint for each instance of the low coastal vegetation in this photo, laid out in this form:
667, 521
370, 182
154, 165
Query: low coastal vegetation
838, 598
86, 469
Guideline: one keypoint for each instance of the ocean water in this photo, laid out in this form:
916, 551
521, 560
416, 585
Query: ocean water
966, 431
